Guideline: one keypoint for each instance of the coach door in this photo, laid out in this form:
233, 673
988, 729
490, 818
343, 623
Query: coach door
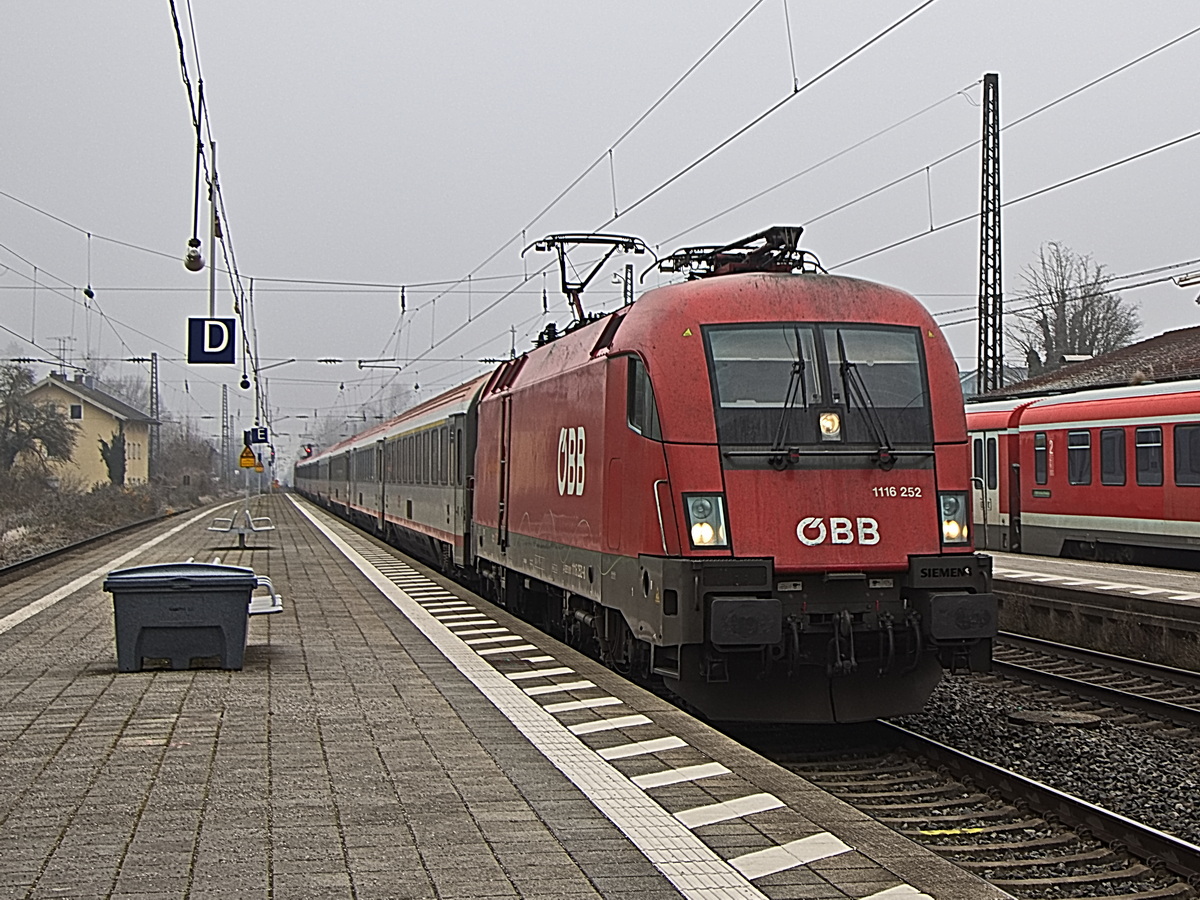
505, 475
382, 480
985, 490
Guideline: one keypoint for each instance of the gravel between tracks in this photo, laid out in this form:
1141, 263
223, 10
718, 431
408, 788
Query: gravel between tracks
1149, 775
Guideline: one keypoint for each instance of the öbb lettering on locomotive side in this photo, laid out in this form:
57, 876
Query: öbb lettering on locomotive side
752, 485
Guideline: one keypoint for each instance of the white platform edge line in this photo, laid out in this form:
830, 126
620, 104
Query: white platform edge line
670, 846
13, 619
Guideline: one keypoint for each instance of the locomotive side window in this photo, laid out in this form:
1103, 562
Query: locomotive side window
642, 412
1079, 457
1112, 455
992, 464
1187, 455
1149, 456
1039, 457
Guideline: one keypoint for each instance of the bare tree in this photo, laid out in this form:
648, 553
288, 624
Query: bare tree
1071, 311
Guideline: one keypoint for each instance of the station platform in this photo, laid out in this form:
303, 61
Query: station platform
390, 735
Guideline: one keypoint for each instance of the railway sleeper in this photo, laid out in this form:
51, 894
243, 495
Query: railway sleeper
1100, 854
1048, 842
977, 815
1019, 825
950, 793
1129, 873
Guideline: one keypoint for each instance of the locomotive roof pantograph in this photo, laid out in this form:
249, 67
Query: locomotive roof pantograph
775, 249
573, 289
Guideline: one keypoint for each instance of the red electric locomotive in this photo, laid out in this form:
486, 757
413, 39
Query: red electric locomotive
752, 484
1106, 473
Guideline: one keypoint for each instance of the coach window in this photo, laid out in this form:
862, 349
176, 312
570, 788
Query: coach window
458, 458
642, 411
1079, 457
993, 464
1149, 456
1112, 455
1039, 457
1187, 455
977, 458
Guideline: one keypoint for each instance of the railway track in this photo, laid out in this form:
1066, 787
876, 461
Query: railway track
1029, 839
1148, 689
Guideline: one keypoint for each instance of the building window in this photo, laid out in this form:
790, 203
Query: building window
76, 411
1079, 457
1112, 456
1149, 456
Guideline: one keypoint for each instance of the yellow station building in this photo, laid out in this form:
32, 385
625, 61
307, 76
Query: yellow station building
98, 416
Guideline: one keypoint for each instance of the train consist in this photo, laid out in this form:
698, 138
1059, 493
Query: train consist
1108, 473
753, 484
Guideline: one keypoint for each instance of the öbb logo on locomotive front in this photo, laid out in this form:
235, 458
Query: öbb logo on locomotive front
812, 531
572, 473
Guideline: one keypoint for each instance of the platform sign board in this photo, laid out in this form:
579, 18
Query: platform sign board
256, 435
211, 340
247, 460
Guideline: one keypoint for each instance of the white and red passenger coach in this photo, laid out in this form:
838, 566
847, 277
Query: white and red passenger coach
1110, 473
753, 484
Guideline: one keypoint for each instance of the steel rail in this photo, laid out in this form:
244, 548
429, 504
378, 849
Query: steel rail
15, 568
1188, 716
1154, 846
1069, 651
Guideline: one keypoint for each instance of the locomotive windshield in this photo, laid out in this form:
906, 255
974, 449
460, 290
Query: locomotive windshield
773, 382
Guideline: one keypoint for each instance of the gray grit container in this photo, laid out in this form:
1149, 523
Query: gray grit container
181, 612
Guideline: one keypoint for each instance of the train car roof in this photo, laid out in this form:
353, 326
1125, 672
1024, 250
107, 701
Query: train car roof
455, 400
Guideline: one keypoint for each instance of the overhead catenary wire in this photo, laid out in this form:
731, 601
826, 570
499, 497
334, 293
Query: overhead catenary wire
1014, 201
1029, 115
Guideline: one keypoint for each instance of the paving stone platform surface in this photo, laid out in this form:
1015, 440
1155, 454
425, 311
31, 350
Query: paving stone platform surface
351, 758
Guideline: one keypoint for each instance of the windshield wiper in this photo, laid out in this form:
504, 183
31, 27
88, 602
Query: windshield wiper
856, 389
797, 388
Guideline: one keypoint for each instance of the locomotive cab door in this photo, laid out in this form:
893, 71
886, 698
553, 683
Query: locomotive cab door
990, 517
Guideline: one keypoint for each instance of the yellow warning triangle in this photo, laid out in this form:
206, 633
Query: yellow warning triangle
687, 332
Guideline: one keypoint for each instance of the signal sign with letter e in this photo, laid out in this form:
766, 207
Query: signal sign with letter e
211, 340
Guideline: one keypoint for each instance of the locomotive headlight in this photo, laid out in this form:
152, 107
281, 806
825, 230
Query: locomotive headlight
706, 520
831, 426
953, 507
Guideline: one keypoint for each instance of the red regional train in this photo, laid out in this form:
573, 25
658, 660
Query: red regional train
753, 485
1109, 473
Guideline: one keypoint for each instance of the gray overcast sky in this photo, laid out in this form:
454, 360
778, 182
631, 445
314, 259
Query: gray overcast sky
405, 142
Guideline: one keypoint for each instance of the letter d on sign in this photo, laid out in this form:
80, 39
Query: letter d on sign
211, 340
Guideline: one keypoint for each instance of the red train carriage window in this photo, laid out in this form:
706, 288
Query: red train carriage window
1149, 456
1187, 455
641, 410
1079, 457
1112, 455
993, 464
1039, 457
